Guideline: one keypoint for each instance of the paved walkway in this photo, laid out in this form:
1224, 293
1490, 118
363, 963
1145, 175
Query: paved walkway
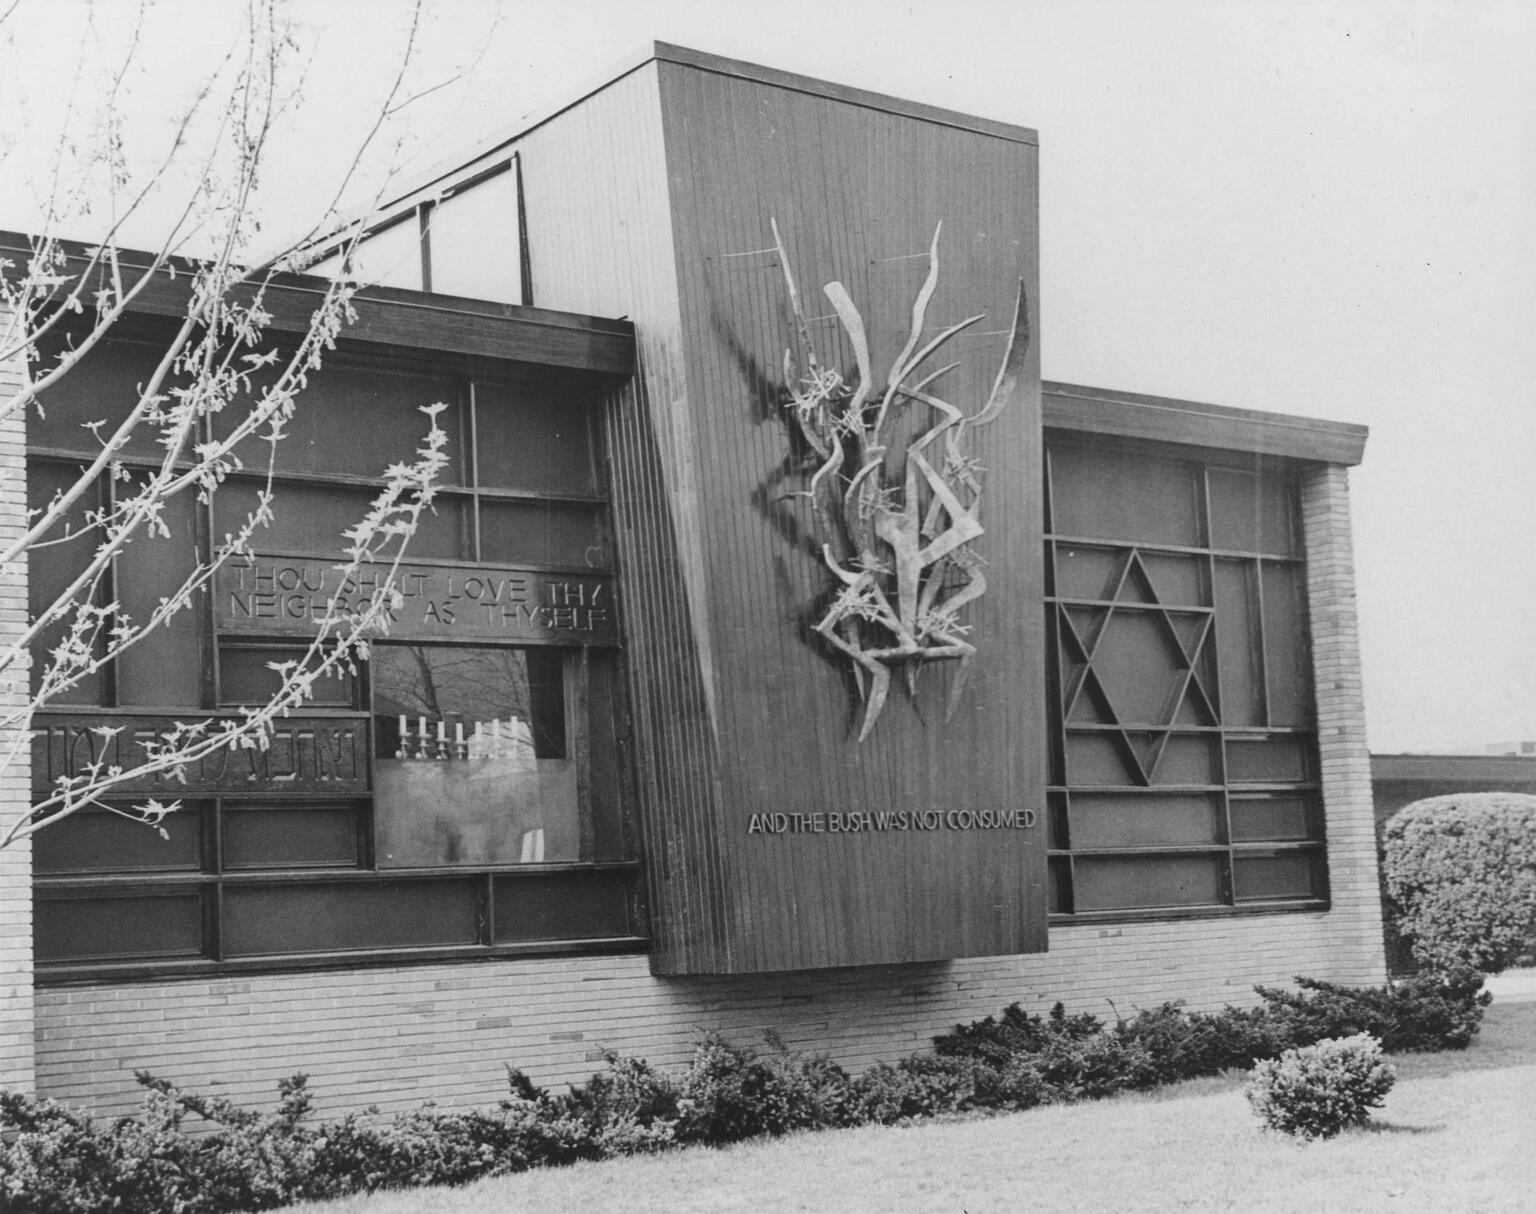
1513, 986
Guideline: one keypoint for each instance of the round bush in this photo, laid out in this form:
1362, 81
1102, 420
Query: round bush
1461, 877
1317, 1090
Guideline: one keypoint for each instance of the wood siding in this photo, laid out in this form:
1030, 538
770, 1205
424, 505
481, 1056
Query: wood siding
651, 199
599, 230
857, 192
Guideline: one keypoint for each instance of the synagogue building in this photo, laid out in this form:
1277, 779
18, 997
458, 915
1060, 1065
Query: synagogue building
779, 653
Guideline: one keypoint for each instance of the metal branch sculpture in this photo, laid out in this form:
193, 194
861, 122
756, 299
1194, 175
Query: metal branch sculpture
896, 530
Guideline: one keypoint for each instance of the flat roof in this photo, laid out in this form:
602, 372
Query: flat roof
1135, 415
386, 316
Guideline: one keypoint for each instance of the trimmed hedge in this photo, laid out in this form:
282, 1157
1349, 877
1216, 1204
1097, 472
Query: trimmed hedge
54, 1160
1461, 879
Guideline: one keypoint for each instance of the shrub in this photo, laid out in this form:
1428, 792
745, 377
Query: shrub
57, 1161
1186, 1045
1317, 1090
1461, 878
924, 1085
1018, 1032
731, 1092
1435, 1010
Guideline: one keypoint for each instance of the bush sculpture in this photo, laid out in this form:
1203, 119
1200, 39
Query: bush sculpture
1461, 879
898, 512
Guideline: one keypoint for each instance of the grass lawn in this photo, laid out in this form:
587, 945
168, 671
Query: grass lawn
1458, 1133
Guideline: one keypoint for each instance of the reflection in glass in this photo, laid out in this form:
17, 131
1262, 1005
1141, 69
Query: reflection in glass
472, 758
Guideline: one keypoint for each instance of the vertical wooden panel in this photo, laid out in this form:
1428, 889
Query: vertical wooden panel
600, 239
857, 191
651, 199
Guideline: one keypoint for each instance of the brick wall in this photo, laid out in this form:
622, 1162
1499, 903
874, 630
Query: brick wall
16, 860
1346, 760
396, 1036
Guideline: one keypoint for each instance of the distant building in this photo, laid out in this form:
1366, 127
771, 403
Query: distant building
602, 787
1398, 780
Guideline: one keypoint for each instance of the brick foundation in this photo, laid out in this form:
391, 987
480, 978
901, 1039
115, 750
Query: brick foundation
395, 1037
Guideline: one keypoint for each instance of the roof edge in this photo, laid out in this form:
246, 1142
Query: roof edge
415, 320
1106, 411
448, 173
670, 53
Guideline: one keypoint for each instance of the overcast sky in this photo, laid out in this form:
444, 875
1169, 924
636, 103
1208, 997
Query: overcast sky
1320, 208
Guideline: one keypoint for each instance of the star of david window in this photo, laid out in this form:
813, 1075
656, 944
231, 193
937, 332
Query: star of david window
1183, 764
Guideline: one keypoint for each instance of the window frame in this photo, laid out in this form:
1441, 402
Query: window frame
607, 876
1222, 848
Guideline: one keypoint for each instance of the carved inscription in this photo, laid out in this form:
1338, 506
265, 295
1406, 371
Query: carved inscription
894, 820
313, 754
285, 596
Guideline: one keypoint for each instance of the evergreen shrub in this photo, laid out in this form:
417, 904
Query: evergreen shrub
1315, 1091
1461, 879
54, 1160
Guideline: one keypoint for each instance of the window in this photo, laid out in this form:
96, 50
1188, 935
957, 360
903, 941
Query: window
1183, 750
469, 242
461, 793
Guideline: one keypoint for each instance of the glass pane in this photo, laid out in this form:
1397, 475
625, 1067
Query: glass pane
543, 533
473, 765
391, 257
1140, 668
1285, 648
1086, 573
1126, 883
1096, 758
1056, 821
96, 841
327, 267
165, 668
1270, 819
1237, 645
1144, 821
1286, 875
314, 518
1056, 752
1179, 581
1251, 511
95, 397
245, 677
52, 566
1059, 873
352, 420
604, 745
1268, 761
345, 916
119, 927
562, 906
290, 836
1120, 496
474, 243
534, 437
1187, 760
